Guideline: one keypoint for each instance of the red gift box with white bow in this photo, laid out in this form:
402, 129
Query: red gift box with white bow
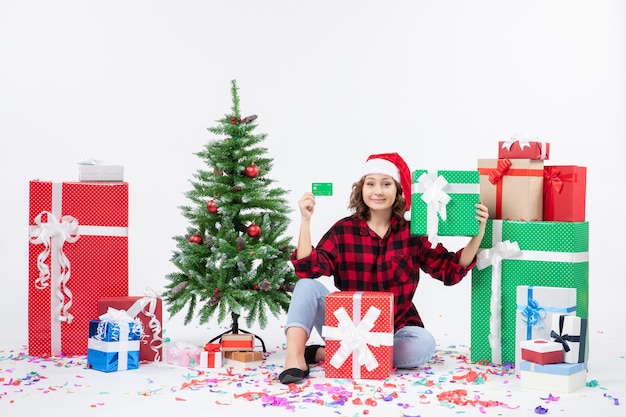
359, 331
78, 253
149, 310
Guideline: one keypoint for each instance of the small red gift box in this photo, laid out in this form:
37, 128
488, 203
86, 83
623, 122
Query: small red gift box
211, 356
358, 331
541, 351
564, 193
78, 253
523, 149
237, 341
149, 310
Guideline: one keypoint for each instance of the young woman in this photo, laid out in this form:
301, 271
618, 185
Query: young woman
371, 250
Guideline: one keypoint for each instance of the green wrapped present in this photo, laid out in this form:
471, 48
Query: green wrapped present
443, 203
514, 253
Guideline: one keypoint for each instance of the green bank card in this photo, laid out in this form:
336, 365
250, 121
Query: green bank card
322, 188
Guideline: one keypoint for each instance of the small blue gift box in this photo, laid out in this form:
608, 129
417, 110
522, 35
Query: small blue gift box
113, 345
560, 377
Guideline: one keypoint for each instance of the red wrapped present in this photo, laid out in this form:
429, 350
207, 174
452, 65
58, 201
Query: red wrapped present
148, 309
78, 253
512, 189
564, 193
211, 356
523, 149
237, 341
359, 332
541, 351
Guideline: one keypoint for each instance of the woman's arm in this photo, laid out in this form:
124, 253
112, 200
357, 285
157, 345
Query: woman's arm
307, 206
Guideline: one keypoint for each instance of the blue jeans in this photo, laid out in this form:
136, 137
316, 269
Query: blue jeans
413, 346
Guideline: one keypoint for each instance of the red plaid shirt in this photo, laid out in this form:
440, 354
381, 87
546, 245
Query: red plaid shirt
359, 260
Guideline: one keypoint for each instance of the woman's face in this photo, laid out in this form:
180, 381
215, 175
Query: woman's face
379, 191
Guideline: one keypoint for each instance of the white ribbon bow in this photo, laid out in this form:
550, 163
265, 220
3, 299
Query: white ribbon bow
494, 257
147, 306
436, 200
355, 339
65, 230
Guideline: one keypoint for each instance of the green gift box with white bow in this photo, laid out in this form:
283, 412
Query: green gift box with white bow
515, 253
443, 203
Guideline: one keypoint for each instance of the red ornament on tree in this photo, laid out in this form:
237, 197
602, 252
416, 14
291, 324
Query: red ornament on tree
195, 238
211, 206
254, 230
255, 287
252, 171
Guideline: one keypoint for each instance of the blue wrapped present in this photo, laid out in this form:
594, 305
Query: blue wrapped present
114, 342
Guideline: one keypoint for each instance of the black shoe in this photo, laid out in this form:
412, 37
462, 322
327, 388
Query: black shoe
293, 375
310, 352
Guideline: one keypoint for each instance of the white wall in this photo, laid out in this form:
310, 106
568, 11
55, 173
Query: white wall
138, 82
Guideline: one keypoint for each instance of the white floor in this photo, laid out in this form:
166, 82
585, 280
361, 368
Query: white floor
65, 387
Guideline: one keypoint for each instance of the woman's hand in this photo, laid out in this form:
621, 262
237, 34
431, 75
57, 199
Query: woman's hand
482, 214
470, 250
307, 205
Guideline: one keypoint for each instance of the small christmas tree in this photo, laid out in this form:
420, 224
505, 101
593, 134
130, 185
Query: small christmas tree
234, 258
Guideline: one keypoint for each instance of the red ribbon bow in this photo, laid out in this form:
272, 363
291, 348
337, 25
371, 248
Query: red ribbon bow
212, 347
502, 167
551, 177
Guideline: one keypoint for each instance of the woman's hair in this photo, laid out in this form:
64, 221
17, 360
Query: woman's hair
361, 210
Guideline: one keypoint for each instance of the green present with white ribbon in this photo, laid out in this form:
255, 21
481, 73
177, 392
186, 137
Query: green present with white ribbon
515, 253
443, 203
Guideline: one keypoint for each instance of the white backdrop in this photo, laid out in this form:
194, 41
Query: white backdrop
138, 82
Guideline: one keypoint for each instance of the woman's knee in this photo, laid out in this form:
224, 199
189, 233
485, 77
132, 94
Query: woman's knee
413, 347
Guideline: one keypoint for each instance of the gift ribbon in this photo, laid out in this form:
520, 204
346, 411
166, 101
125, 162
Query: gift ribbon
436, 200
503, 167
565, 338
355, 336
435, 192
213, 355
53, 233
121, 329
554, 180
147, 306
495, 320
212, 347
533, 314
494, 257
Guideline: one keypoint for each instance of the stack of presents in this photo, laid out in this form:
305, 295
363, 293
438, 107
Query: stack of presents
530, 286
530, 289
78, 301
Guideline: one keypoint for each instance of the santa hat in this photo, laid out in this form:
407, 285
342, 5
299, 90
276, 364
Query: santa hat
393, 165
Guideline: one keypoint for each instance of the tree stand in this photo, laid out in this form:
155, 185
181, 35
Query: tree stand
234, 329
